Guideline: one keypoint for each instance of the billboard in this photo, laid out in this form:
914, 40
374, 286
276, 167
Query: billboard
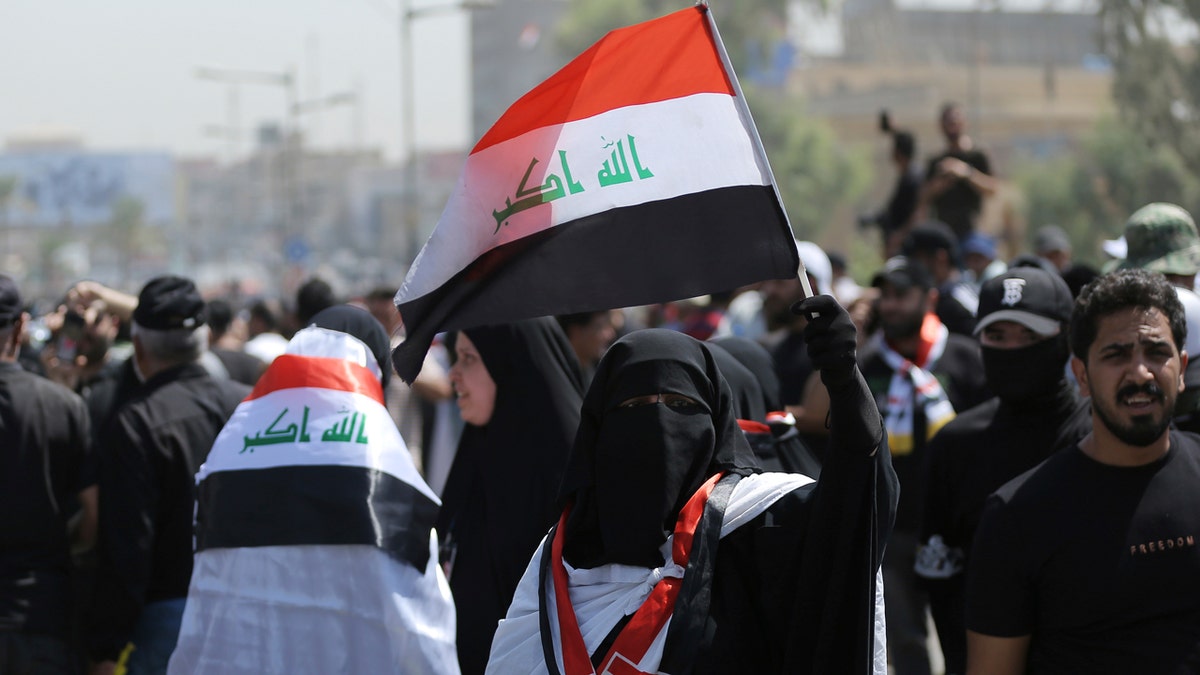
80, 188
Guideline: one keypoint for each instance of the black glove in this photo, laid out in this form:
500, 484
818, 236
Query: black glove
831, 339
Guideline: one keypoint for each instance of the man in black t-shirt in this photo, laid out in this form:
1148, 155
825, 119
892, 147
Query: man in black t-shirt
957, 180
920, 374
44, 444
1088, 563
1023, 317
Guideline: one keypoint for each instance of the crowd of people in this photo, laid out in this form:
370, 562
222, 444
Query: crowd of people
755, 481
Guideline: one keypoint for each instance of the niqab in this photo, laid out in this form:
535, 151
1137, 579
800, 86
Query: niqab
632, 468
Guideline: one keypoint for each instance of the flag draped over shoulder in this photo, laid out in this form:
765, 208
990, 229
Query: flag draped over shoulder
633, 175
315, 549
313, 457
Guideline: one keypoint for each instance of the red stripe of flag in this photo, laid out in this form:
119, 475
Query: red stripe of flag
671, 57
291, 371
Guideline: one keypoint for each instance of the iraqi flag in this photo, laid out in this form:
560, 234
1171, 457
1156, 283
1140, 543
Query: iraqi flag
633, 175
315, 548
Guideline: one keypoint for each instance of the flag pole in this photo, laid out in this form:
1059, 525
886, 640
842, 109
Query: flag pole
744, 110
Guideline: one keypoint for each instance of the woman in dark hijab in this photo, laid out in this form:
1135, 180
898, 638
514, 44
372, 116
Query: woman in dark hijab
519, 387
673, 554
776, 442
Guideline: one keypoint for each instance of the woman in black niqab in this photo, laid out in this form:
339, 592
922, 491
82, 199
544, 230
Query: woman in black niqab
500, 495
634, 466
780, 575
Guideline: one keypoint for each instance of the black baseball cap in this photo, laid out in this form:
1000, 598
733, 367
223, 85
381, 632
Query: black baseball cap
10, 301
169, 302
903, 273
1039, 300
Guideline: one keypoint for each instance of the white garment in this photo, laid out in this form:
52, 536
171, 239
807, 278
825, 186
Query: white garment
603, 595
315, 609
266, 346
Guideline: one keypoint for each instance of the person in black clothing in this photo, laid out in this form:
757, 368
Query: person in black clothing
1088, 563
44, 443
151, 451
1023, 317
895, 218
933, 245
957, 180
920, 374
241, 366
519, 389
777, 572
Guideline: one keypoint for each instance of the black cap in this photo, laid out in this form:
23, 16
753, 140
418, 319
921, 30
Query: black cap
169, 302
903, 273
1031, 296
930, 237
10, 301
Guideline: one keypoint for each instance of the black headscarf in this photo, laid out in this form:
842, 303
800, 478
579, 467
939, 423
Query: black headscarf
757, 360
500, 496
359, 323
748, 396
783, 449
632, 469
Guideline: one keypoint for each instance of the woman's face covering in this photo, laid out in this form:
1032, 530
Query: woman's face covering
474, 386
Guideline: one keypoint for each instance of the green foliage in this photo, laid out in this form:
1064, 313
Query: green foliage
1091, 193
816, 174
745, 26
1156, 82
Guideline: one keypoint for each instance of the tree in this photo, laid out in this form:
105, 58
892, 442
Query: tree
1157, 71
748, 28
815, 173
126, 227
1090, 194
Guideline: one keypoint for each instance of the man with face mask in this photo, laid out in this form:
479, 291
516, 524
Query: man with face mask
1088, 563
1023, 317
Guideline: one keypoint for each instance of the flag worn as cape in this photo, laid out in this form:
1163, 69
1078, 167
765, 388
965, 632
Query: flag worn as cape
315, 549
633, 175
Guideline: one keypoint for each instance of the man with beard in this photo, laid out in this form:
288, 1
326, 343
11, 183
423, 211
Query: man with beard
1089, 562
1023, 318
920, 374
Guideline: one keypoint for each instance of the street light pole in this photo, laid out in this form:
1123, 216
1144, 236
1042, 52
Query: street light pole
288, 127
408, 111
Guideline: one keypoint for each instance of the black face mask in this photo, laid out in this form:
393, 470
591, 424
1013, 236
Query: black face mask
633, 468
1026, 374
647, 459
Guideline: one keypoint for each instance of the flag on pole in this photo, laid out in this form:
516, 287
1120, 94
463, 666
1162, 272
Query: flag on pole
633, 175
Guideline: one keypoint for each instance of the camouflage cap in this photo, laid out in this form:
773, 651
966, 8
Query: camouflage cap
1162, 238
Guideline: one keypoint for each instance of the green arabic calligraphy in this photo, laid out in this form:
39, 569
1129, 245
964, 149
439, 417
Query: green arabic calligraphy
345, 432
272, 436
616, 169
529, 197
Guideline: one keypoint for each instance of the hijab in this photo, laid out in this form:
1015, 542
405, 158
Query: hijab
758, 361
359, 323
500, 495
633, 468
748, 397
